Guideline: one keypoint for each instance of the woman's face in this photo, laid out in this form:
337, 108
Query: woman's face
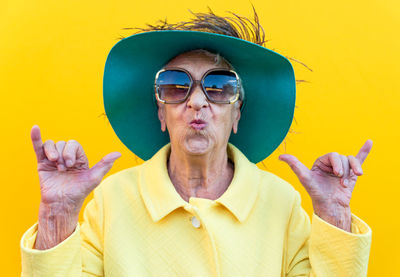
198, 126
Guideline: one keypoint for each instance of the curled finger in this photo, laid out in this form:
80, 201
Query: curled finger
346, 170
50, 150
69, 153
60, 162
355, 165
345, 166
336, 163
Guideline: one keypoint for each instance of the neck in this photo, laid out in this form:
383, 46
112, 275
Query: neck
204, 176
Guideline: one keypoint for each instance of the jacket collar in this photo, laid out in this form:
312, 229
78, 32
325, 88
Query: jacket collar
161, 198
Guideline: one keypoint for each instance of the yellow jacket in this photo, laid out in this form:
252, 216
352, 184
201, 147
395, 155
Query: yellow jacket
138, 225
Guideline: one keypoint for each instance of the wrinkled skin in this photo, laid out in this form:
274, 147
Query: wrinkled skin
65, 181
330, 183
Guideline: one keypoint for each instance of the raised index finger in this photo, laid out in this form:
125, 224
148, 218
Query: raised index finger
37, 143
364, 151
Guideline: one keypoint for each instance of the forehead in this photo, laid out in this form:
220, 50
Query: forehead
198, 59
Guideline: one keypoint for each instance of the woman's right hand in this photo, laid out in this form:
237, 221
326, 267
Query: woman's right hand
65, 181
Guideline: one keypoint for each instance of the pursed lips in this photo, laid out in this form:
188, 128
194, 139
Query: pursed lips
198, 124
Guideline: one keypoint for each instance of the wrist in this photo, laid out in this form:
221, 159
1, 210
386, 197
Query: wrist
55, 224
337, 215
58, 211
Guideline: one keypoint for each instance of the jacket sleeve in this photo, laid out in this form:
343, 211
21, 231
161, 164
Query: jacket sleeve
81, 254
321, 249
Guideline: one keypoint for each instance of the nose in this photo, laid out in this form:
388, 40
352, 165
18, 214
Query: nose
197, 99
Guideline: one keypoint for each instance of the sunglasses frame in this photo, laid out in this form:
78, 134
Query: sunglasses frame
193, 82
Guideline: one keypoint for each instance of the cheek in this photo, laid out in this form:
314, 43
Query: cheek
223, 121
174, 119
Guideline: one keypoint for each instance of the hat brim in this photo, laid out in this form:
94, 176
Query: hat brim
267, 77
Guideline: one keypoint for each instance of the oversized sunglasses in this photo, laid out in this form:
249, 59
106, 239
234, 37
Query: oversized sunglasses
220, 86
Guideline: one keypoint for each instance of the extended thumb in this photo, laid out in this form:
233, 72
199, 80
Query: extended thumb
104, 165
110, 158
289, 159
298, 168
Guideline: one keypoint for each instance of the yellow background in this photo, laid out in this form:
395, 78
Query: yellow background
52, 55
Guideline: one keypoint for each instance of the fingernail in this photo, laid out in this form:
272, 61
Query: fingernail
61, 167
340, 172
345, 182
69, 163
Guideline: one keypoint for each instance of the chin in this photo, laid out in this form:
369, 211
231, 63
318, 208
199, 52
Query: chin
197, 145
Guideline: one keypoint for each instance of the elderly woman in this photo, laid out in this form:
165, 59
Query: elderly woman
198, 206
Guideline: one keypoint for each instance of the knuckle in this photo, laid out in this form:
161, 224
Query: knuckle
69, 150
49, 145
103, 161
60, 143
73, 143
333, 154
49, 149
49, 142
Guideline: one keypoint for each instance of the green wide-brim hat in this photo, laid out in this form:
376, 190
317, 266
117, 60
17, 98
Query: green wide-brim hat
128, 89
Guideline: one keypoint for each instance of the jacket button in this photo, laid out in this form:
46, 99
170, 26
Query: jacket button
195, 222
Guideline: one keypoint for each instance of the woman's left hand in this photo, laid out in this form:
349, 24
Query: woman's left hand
330, 183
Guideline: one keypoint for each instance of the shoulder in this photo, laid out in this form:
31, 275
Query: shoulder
276, 190
276, 199
122, 183
270, 185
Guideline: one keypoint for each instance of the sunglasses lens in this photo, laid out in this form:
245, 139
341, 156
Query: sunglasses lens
221, 86
173, 85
